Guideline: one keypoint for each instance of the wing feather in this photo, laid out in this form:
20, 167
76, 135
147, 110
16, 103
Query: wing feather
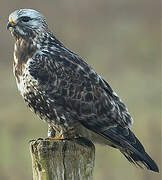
69, 80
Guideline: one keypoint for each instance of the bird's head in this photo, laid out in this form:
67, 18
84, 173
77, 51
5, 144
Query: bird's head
26, 23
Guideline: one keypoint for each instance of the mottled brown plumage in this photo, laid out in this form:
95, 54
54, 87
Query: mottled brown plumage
64, 91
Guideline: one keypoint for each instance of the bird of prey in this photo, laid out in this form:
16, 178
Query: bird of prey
64, 91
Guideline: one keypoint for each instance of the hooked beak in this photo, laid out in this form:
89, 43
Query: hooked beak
11, 23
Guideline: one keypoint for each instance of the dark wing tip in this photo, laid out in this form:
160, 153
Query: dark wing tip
151, 163
141, 160
130, 147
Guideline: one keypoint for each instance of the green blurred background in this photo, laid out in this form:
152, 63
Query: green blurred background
121, 40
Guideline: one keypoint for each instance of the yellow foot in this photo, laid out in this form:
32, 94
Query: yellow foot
55, 138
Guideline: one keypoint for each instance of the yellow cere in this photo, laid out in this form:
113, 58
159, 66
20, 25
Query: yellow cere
12, 21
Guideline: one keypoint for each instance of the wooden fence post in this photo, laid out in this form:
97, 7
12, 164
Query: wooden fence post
62, 159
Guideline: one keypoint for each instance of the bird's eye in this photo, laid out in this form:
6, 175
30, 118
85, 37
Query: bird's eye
25, 19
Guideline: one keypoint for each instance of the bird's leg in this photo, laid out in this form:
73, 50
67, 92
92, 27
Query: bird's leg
51, 132
58, 135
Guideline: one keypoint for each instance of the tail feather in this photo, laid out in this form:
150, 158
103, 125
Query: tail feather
130, 147
141, 160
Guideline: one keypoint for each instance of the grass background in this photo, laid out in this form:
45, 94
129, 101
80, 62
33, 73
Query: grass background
121, 41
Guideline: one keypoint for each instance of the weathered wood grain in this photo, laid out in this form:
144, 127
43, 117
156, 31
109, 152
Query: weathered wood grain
63, 159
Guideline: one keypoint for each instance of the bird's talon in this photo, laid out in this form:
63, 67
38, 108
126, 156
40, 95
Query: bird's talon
32, 140
35, 140
39, 139
47, 139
